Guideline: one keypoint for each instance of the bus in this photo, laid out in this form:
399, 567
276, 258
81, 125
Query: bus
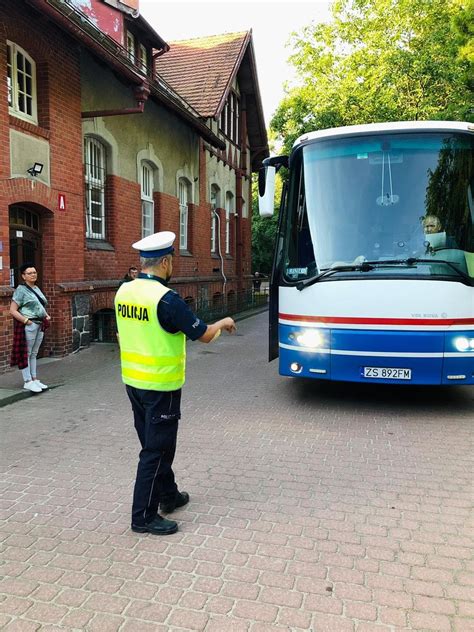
373, 269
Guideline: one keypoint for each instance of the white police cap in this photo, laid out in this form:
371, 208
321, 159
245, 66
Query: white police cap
156, 245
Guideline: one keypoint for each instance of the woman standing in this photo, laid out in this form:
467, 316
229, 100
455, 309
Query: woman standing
28, 308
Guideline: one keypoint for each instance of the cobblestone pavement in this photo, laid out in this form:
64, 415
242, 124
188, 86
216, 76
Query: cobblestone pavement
313, 507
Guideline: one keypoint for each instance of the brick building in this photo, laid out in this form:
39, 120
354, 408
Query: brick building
101, 144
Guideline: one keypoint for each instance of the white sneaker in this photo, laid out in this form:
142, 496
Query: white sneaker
32, 386
42, 386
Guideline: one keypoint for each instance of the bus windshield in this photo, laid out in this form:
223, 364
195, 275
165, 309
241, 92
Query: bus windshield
398, 204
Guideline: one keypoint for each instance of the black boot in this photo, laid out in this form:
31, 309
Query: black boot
158, 526
181, 499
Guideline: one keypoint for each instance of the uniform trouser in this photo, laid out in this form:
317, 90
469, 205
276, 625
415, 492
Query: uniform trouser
155, 477
34, 338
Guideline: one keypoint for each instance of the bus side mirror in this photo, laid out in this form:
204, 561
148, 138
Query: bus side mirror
266, 191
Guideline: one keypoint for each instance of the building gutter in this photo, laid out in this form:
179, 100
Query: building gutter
141, 95
163, 93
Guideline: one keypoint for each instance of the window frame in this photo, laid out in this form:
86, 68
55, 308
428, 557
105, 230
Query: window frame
183, 197
131, 47
229, 123
95, 178
143, 58
13, 87
146, 195
229, 205
214, 200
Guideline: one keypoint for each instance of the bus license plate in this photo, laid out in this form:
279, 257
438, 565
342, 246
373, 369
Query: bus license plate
386, 373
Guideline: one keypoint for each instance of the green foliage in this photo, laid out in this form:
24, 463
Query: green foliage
463, 25
380, 60
264, 232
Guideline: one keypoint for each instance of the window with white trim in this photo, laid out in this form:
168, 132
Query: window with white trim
148, 205
229, 208
131, 46
21, 83
215, 202
235, 118
95, 155
143, 58
229, 122
223, 121
183, 195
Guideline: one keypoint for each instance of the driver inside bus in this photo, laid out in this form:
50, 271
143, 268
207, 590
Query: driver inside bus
435, 236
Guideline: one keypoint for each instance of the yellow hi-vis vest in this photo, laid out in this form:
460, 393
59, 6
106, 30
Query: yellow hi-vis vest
152, 358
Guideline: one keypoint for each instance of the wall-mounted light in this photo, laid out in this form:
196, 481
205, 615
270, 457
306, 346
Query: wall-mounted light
36, 169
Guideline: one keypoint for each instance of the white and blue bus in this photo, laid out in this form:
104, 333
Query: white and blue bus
373, 272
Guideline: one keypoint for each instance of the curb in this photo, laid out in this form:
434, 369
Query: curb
20, 394
15, 397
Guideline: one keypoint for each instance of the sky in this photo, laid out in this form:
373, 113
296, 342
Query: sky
271, 21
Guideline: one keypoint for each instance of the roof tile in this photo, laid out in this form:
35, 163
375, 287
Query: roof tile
200, 69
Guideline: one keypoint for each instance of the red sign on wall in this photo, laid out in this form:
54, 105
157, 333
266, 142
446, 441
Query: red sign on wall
61, 202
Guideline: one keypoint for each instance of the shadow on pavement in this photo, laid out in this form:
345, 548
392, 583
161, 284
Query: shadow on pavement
442, 399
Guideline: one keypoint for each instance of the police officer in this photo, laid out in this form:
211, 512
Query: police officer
153, 323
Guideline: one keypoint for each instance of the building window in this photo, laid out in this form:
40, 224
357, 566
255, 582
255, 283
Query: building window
229, 208
183, 194
215, 203
21, 83
235, 119
230, 118
143, 60
131, 46
148, 206
95, 173
223, 121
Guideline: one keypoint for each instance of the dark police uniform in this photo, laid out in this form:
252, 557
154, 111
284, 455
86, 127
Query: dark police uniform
156, 416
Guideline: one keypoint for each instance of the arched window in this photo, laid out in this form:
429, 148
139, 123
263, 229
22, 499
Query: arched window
229, 208
184, 198
95, 155
21, 83
215, 203
148, 206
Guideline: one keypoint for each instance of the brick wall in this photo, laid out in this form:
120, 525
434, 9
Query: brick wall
59, 106
77, 275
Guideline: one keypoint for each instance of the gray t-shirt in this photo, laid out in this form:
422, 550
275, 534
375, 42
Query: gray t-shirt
28, 305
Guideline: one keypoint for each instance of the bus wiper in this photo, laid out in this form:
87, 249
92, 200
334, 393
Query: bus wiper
412, 260
362, 267
366, 266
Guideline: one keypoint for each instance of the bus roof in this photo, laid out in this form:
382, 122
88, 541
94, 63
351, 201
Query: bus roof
372, 128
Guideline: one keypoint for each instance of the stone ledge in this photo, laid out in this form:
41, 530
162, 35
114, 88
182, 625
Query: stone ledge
84, 286
6, 290
99, 244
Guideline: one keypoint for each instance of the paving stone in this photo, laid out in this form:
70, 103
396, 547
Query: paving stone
314, 506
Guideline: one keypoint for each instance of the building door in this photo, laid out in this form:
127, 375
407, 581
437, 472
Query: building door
25, 241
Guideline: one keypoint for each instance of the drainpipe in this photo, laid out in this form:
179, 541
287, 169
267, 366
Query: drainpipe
159, 53
141, 95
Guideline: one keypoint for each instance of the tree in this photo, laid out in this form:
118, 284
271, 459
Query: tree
378, 60
463, 25
264, 231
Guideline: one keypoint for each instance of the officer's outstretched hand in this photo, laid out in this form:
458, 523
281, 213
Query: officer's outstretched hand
229, 325
213, 331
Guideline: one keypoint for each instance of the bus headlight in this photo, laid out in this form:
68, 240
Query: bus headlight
310, 338
296, 367
464, 344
